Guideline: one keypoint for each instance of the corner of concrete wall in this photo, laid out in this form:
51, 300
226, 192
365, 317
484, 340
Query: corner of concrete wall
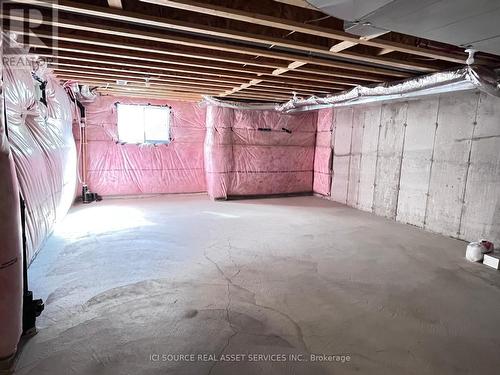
322, 169
431, 162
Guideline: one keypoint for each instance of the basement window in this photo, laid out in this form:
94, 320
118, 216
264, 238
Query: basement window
143, 124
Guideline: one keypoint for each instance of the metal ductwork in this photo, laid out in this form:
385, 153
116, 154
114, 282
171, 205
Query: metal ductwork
465, 23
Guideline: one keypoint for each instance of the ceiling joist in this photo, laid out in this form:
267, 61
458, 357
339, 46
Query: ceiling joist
180, 25
290, 25
189, 48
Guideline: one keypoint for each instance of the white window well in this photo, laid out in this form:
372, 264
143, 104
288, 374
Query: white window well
143, 123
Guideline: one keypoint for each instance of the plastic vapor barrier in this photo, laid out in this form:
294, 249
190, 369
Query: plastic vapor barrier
11, 258
323, 153
258, 152
43, 148
466, 78
115, 168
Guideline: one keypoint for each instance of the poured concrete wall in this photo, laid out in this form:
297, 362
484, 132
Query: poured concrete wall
433, 162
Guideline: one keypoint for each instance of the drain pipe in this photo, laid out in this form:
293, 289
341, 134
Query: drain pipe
87, 195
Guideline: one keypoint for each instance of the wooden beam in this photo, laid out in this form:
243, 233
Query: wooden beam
146, 95
342, 46
115, 4
143, 79
282, 91
255, 64
143, 57
163, 22
154, 80
291, 25
336, 78
137, 85
84, 67
290, 82
209, 72
137, 90
182, 83
310, 78
255, 96
254, 70
118, 94
164, 37
160, 88
293, 84
259, 101
307, 89
158, 94
384, 51
161, 51
277, 72
136, 77
346, 44
259, 96
142, 92
314, 70
255, 82
160, 37
297, 3
131, 56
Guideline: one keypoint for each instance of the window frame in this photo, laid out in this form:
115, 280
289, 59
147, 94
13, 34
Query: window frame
145, 141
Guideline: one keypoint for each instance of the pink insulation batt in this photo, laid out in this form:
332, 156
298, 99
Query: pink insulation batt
128, 169
323, 153
224, 151
44, 152
258, 152
38, 164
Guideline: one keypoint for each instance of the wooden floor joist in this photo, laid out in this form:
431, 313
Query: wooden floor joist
98, 53
259, 96
290, 25
183, 86
135, 78
209, 72
156, 87
302, 80
86, 68
174, 24
142, 90
217, 58
149, 95
189, 48
163, 38
137, 85
213, 46
115, 4
136, 89
159, 50
295, 85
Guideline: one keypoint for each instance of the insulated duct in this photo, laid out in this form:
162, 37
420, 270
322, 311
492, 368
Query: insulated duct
467, 78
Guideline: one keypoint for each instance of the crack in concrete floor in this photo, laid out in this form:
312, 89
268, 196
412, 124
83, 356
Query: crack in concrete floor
291, 275
231, 283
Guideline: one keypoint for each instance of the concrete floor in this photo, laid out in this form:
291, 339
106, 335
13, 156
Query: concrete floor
132, 284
